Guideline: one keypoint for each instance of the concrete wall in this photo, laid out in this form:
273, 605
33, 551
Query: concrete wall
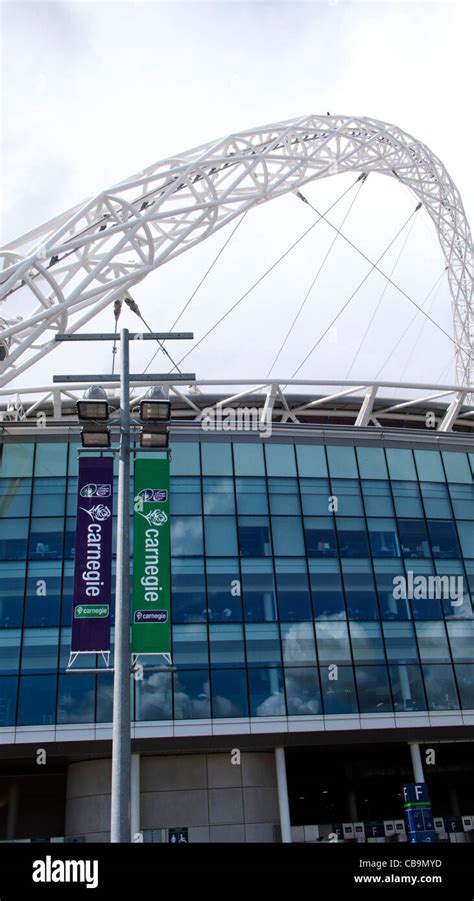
216, 800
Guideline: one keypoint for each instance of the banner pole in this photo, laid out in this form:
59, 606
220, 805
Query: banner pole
121, 743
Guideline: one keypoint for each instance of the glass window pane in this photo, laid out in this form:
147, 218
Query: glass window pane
190, 647
258, 587
16, 459
185, 495
267, 697
248, 459
216, 459
9, 651
342, 462
432, 641
8, 689
424, 603
315, 494
466, 537
12, 589
413, 538
40, 650
326, 588
400, 642
440, 687
462, 499
294, 601
284, 497
280, 459
154, 697
73, 458
13, 539
401, 464
49, 497
383, 537
465, 680
46, 538
393, 604
218, 496
444, 542
457, 467
254, 536
352, 537
229, 693
263, 644
104, 704
192, 695
311, 461
367, 644
461, 639
288, 536
251, 496
429, 466
223, 590
76, 698
320, 536
185, 459
377, 498
339, 695
407, 688
221, 536
359, 586
43, 593
15, 497
373, 689
51, 459
333, 642
406, 496
303, 694
188, 590
37, 700
348, 499
186, 536
436, 500
452, 587
298, 644
372, 463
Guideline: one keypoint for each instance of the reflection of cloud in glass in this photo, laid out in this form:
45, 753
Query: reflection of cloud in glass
75, 708
273, 705
298, 644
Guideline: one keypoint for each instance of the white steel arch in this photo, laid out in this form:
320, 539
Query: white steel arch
71, 267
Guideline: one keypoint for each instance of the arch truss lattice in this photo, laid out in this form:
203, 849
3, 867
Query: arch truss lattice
58, 276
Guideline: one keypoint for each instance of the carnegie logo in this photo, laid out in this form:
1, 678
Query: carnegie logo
159, 495
154, 517
151, 616
98, 513
50, 870
92, 490
91, 611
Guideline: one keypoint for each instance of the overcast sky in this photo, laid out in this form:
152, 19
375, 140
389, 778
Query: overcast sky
94, 91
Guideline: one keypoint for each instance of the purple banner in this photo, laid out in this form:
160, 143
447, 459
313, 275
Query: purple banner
93, 561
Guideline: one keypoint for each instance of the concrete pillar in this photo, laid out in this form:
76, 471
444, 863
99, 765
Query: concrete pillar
135, 796
12, 816
283, 802
416, 763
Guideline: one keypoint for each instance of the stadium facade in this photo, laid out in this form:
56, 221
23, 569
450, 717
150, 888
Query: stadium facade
322, 632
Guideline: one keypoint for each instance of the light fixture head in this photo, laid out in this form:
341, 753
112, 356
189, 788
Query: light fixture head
94, 405
155, 406
155, 437
96, 435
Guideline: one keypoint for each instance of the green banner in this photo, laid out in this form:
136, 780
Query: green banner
151, 558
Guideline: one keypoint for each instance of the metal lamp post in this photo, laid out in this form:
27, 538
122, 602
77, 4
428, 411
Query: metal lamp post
120, 830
